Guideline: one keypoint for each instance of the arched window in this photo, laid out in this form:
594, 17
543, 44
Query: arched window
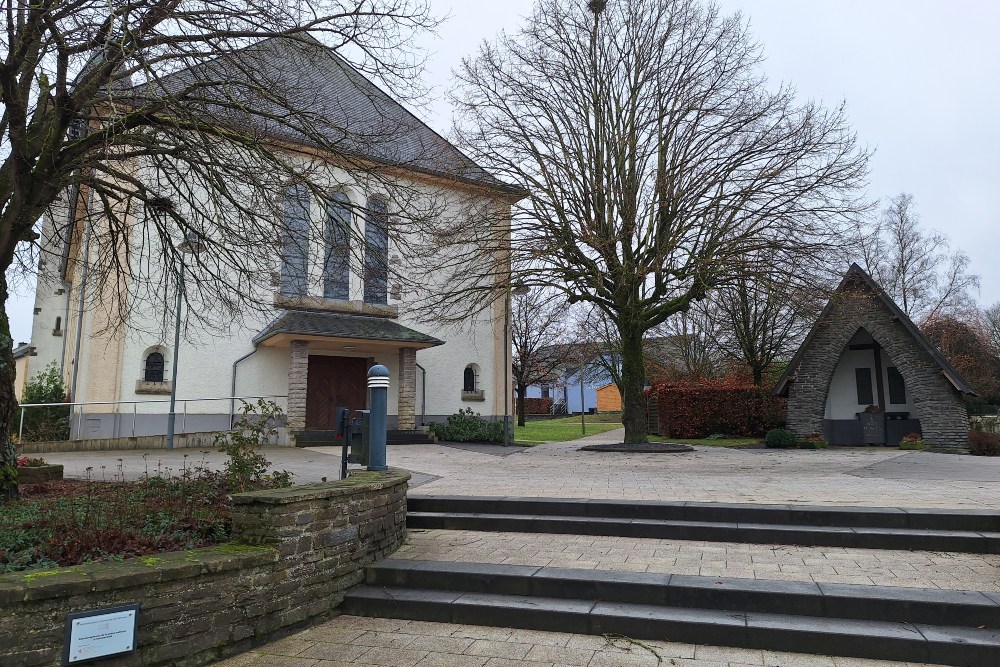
295, 241
377, 252
469, 383
153, 369
337, 234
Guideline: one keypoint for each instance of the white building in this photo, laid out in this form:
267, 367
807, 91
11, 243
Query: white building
327, 319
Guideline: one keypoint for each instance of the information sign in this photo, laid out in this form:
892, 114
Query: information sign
99, 633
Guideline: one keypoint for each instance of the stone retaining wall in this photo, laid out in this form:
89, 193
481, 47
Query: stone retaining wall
295, 551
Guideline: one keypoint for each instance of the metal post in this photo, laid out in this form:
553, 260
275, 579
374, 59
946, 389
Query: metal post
172, 415
378, 391
20, 430
134, 408
583, 406
506, 367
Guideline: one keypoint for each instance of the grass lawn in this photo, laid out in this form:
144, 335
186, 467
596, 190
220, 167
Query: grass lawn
562, 429
722, 442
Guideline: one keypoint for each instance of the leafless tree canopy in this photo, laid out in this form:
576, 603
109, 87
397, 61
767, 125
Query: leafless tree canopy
134, 124
915, 265
658, 159
540, 341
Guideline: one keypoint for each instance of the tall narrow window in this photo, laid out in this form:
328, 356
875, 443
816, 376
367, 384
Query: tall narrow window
153, 371
337, 265
897, 388
377, 252
469, 379
863, 379
295, 242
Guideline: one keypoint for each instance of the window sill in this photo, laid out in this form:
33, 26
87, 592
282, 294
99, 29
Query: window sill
144, 387
335, 305
479, 395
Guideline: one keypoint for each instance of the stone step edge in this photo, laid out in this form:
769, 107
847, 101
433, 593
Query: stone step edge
748, 533
882, 640
845, 601
786, 514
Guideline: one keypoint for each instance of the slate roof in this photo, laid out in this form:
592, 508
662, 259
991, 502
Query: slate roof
856, 273
343, 110
343, 325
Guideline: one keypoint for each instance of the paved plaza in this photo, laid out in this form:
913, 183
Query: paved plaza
351, 641
872, 477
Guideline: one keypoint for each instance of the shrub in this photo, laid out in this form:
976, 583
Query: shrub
25, 462
247, 468
699, 408
467, 425
984, 444
912, 441
779, 438
44, 424
813, 441
537, 406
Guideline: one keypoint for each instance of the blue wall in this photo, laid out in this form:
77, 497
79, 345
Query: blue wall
569, 391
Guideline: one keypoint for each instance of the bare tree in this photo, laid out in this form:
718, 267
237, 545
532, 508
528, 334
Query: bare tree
914, 265
658, 161
761, 321
991, 317
685, 345
539, 339
132, 126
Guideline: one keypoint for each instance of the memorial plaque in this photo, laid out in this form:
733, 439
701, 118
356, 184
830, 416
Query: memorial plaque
100, 633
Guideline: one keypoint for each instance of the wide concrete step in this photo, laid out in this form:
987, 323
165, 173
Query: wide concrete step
971, 609
806, 515
715, 531
886, 640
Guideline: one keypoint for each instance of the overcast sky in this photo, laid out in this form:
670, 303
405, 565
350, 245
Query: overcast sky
920, 80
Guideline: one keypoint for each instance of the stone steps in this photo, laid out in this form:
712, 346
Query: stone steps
916, 625
870, 528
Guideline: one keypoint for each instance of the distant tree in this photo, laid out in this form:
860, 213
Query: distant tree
658, 161
991, 316
42, 424
966, 345
914, 265
539, 337
685, 345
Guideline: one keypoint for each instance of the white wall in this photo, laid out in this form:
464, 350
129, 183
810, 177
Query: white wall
841, 402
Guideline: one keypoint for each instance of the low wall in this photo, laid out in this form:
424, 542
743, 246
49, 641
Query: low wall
294, 553
987, 423
204, 440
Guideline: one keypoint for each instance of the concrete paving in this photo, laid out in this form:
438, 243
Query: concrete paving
834, 565
349, 640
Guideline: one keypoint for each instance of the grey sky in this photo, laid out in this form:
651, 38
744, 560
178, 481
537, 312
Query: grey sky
920, 80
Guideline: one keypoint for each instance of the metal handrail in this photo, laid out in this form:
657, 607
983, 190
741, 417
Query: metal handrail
135, 405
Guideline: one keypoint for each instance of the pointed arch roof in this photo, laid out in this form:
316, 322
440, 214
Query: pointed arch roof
857, 276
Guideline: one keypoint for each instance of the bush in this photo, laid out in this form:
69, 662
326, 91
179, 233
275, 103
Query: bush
247, 469
703, 407
912, 441
537, 406
984, 444
45, 424
779, 438
468, 426
813, 441
25, 462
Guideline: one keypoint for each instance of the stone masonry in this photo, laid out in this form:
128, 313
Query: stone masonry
942, 413
298, 382
407, 406
295, 552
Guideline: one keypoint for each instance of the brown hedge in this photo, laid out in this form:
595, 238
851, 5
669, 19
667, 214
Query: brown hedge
537, 406
730, 406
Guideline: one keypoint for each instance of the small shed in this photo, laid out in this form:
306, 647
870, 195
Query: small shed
609, 399
865, 374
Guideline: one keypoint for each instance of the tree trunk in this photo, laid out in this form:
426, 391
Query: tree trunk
633, 379
8, 403
758, 375
520, 403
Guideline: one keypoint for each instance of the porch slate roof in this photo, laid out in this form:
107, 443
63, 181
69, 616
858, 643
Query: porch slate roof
856, 273
342, 325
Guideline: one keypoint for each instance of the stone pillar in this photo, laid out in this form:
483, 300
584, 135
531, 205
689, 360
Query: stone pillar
407, 403
298, 381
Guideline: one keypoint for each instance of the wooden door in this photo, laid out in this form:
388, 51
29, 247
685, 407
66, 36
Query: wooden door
334, 382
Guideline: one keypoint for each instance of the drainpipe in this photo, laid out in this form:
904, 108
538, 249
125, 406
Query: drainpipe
423, 394
79, 315
232, 387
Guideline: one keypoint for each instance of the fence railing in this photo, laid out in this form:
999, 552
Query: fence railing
77, 411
